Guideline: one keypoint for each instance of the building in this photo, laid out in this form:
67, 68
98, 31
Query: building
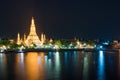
32, 38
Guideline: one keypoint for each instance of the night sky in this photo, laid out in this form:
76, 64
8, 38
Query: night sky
61, 18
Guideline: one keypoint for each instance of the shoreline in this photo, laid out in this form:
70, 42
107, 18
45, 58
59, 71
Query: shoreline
54, 50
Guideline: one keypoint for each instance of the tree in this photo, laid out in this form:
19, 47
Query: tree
58, 43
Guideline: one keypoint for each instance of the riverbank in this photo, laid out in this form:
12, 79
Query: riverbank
54, 50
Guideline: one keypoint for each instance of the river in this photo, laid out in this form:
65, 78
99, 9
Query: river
65, 65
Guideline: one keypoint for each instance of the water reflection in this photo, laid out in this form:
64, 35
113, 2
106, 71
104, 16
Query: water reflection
1, 58
22, 58
75, 58
85, 67
66, 58
2, 66
19, 67
32, 68
101, 66
57, 64
49, 55
119, 63
67, 65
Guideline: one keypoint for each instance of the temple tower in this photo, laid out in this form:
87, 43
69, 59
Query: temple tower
18, 39
32, 38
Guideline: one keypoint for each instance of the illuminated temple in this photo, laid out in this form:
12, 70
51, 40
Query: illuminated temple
32, 38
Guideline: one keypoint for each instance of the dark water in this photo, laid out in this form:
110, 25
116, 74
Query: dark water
74, 65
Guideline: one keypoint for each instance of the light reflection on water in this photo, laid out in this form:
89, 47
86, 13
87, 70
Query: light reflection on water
31, 66
119, 63
101, 70
74, 57
66, 57
85, 67
57, 61
69, 65
2, 65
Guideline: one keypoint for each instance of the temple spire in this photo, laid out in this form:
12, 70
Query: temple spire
32, 27
18, 39
32, 20
32, 37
